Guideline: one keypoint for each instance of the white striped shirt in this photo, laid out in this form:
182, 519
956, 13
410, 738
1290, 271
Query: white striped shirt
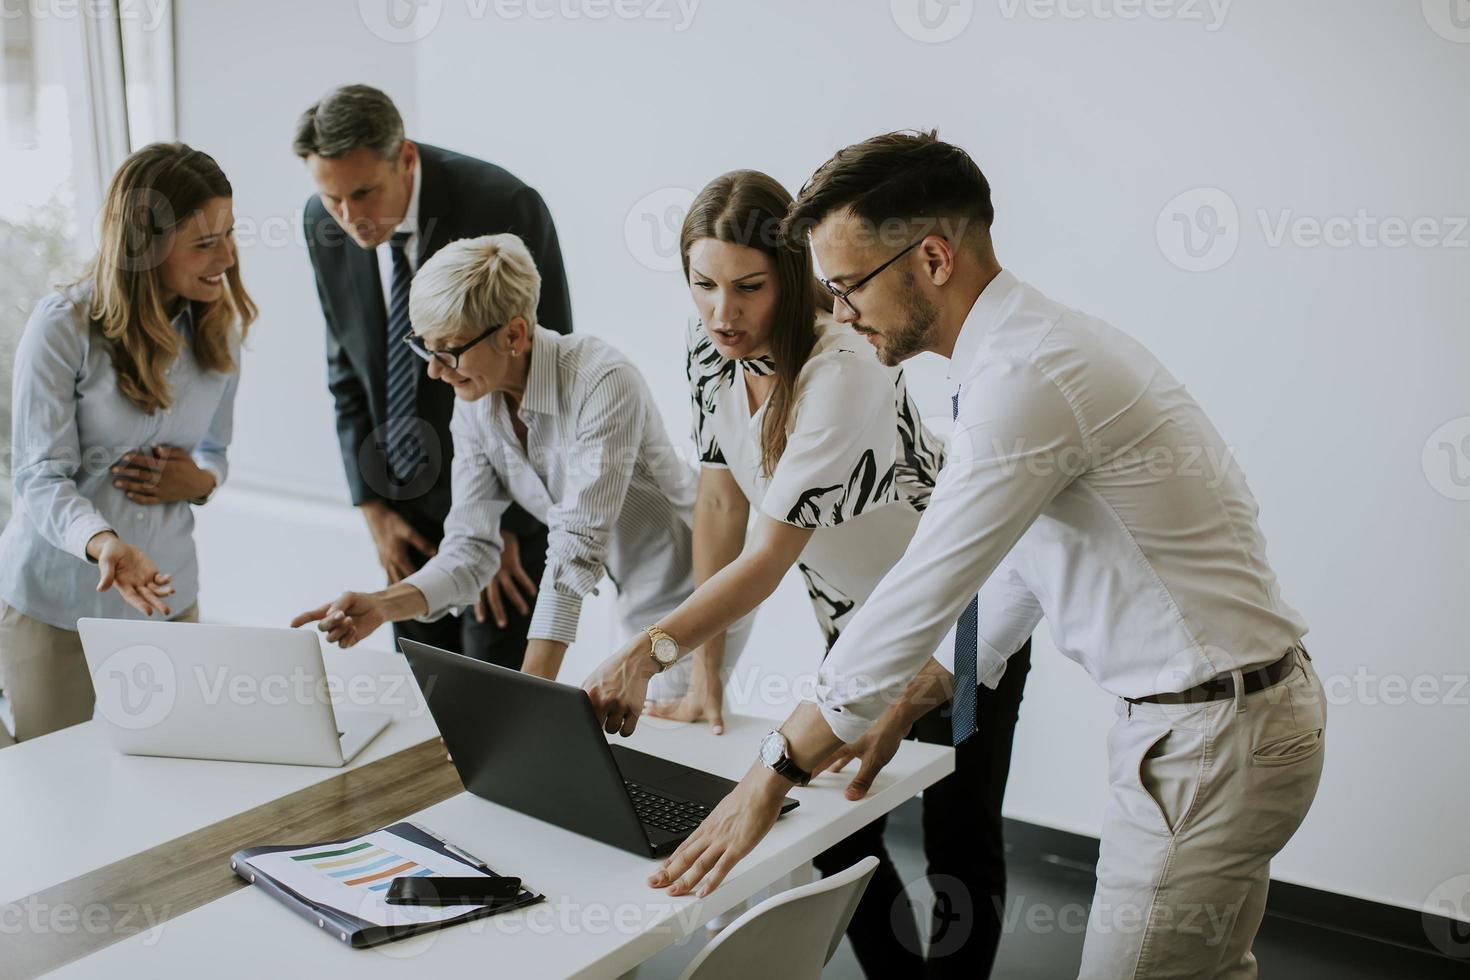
598, 470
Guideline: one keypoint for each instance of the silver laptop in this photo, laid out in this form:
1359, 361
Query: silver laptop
236, 693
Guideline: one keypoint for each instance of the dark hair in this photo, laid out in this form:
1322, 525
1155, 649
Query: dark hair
348, 119
900, 177
745, 207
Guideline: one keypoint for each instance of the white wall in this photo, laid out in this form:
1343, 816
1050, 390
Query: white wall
1328, 369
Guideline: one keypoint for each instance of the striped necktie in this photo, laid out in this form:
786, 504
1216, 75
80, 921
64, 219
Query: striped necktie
964, 707
403, 448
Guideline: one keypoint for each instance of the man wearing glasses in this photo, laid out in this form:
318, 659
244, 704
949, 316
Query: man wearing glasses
563, 426
1074, 489
400, 202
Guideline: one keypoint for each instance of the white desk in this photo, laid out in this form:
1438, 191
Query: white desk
599, 920
71, 804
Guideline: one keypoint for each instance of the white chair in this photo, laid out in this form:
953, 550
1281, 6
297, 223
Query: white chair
791, 935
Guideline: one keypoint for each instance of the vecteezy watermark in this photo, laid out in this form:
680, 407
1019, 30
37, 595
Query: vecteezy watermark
1210, 921
1367, 687
408, 21
932, 21
150, 14
402, 458
1210, 14
948, 905
400, 21
33, 916
1446, 459
1450, 19
1362, 229
1200, 229
1446, 917
651, 228
136, 687
240, 686
1212, 464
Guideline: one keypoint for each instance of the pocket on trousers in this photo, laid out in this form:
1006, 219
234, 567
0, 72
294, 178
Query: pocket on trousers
1169, 774
1285, 751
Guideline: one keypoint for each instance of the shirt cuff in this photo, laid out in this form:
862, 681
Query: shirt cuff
439, 592
945, 654
990, 664
83, 530
215, 468
844, 723
556, 616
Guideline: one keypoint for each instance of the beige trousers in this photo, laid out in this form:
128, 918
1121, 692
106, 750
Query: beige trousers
44, 674
1201, 797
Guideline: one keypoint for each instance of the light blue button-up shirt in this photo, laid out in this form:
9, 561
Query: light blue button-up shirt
70, 425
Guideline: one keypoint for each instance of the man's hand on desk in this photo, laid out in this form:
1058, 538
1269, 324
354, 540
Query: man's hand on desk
873, 751
744, 817
739, 822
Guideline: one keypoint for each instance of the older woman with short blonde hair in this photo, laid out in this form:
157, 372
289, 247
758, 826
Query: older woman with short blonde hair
562, 425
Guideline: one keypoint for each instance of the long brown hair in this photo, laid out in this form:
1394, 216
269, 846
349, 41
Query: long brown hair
745, 207
154, 191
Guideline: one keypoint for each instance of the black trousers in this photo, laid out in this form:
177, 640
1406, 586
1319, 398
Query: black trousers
964, 847
503, 646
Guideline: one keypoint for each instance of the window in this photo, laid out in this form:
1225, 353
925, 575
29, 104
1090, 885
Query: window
82, 86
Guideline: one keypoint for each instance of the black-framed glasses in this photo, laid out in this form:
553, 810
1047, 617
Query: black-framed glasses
449, 356
843, 294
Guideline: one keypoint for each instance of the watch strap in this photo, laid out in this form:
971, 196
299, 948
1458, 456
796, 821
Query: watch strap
786, 768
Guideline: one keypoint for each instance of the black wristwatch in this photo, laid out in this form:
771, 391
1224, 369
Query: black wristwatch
776, 755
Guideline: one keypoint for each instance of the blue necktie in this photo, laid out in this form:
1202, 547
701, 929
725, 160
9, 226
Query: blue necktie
404, 451
964, 707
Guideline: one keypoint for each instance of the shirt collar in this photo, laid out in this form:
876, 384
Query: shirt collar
542, 383
981, 318
410, 222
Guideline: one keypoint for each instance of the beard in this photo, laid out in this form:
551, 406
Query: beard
917, 331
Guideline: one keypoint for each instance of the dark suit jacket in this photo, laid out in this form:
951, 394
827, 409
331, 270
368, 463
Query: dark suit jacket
460, 197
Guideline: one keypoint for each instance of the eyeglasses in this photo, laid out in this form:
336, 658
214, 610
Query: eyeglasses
449, 356
843, 294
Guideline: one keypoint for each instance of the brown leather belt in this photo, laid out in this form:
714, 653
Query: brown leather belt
1222, 687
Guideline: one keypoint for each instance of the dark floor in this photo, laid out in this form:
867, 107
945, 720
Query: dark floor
1284, 948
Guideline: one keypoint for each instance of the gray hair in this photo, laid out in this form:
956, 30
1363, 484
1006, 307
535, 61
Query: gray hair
348, 119
472, 284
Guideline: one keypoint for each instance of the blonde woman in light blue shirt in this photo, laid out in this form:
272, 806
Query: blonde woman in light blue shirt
123, 399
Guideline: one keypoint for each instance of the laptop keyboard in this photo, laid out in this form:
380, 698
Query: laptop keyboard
675, 816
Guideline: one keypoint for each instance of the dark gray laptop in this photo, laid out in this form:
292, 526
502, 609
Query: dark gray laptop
535, 746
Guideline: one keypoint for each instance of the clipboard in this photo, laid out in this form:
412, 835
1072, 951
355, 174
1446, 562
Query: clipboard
347, 927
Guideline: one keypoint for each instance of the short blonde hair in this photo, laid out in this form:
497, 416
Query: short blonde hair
471, 284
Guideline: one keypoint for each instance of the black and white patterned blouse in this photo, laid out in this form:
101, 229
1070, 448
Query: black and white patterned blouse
858, 465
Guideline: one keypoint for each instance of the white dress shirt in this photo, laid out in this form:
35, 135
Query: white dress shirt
410, 224
598, 470
1085, 484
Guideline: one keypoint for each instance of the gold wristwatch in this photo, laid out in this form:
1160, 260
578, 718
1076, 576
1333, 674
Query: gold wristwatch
665, 648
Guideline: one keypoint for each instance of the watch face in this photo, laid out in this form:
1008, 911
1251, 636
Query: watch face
666, 650
773, 748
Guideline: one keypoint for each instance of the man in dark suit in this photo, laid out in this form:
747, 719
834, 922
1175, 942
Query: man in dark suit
383, 206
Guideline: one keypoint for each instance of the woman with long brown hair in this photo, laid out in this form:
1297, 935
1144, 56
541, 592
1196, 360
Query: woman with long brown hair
795, 416
124, 398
